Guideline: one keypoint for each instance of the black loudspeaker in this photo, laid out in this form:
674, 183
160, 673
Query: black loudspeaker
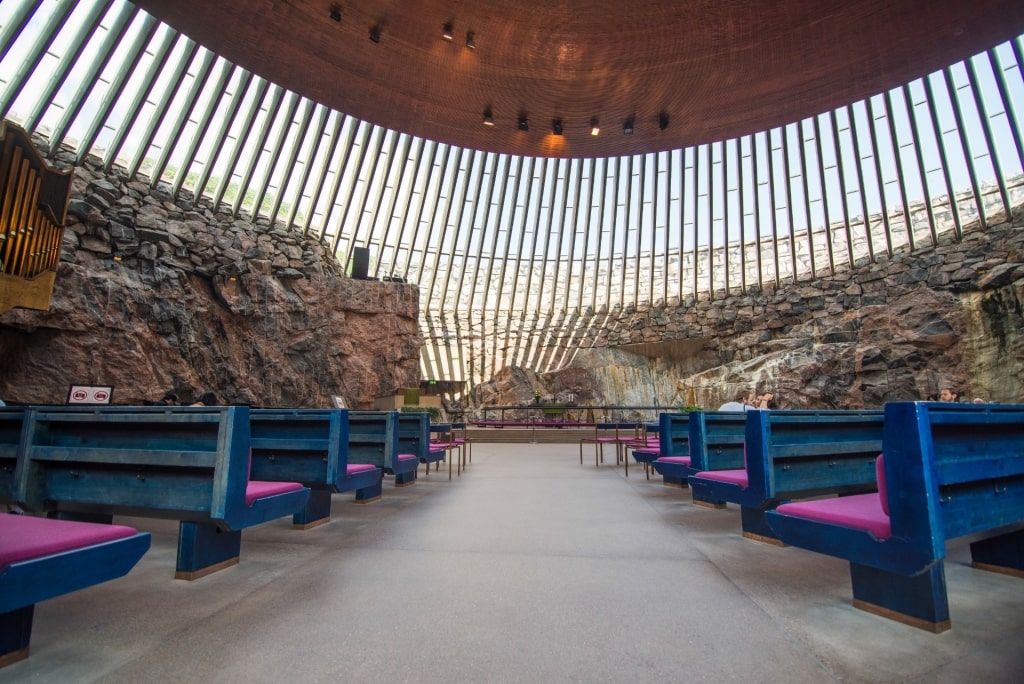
360, 262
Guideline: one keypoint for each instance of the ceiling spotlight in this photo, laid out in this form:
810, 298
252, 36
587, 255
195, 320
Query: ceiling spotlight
594, 128
524, 125
336, 12
488, 117
470, 41
663, 121
447, 31
375, 34
627, 126
556, 127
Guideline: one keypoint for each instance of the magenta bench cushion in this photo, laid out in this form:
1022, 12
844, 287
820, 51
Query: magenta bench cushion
406, 457
860, 511
736, 477
24, 537
683, 460
257, 489
359, 468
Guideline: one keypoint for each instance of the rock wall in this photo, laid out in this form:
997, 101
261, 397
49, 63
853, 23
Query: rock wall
155, 294
901, 327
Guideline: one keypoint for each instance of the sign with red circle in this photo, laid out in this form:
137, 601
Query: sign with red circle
90, 394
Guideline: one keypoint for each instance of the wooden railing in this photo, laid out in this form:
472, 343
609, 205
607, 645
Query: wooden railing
33, 206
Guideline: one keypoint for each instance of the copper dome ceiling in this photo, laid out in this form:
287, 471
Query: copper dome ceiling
685, 72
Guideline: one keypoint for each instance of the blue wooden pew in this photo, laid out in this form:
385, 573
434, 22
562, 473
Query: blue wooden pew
310, 446
414, 439
373, 439
673, 459
715, 443
12, 418
189, 464
42, 558
795, 455
948, 470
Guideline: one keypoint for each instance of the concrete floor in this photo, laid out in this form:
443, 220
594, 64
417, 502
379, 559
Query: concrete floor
528, 568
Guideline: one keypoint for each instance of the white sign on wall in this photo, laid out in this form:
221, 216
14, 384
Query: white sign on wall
90, 394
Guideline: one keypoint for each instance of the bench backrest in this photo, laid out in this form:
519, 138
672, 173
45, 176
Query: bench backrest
12, 419
182, 463
952, 470
716, 439
373, 437
812, 452
414, 434
309, 446
674, 434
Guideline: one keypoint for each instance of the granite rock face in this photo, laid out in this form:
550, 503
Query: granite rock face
155, 295
899, 328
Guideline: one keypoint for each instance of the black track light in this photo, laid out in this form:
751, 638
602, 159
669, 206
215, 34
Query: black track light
524, 124
663, 121
335, 12
627, 126
556, 127
375, 34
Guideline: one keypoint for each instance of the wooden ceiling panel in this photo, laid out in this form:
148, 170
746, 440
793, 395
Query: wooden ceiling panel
717, 68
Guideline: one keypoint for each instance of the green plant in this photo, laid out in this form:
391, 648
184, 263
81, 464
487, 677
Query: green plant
688, 409
435, 413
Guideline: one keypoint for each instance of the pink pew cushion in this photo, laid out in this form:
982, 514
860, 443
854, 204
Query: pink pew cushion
861, 511
883, 494
406, 457
23, 537
353, 468
257, 489
736, 477
682, 460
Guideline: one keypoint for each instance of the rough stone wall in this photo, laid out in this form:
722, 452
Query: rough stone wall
156, 294
901, 327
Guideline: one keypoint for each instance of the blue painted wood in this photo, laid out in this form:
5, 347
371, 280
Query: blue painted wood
373, 438
919, 600
674, 434
28, 582
39, 579
715, 442
1003, 553
950, 470
798, 455
12, 419
15, 634
183, 463
673, 440
310, 446
414, 438
204, 548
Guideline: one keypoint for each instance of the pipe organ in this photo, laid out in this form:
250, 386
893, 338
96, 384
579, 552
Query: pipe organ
33, 207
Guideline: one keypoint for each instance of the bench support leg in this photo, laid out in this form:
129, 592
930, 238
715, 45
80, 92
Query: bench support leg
1004, 554
15, 632
916, 600
317, 510
406, 479
755, 526
203, 548
370, 494
671, 481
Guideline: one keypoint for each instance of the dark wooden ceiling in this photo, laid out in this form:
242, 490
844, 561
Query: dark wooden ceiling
717, 68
